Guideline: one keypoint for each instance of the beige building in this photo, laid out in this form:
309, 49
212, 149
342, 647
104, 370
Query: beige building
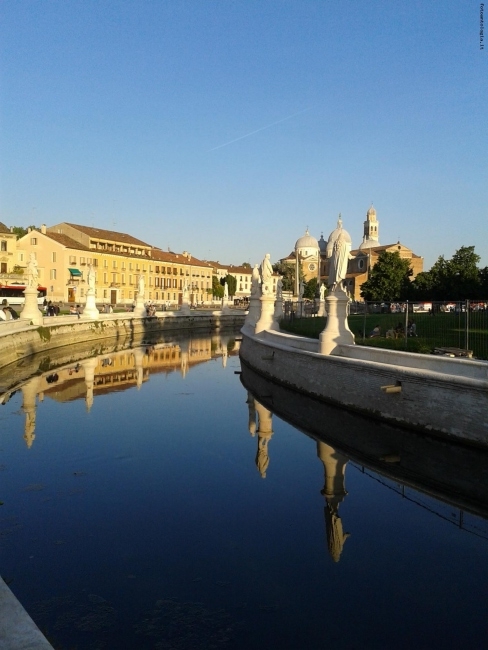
8, 248
65, 251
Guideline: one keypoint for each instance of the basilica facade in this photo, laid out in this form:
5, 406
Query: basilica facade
310, 255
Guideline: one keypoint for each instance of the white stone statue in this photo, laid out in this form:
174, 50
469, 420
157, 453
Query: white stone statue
226, 291
338, 251
32, 271
255, 281
322, 291
140, 287
279, 288
266, 274
186, 291
91, 278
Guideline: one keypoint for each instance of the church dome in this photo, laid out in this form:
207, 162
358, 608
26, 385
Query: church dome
371, 212
339, 230
367, 243
307, 241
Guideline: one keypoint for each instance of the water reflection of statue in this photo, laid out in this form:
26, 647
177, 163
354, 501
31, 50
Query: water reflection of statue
255, 281
334, 492
265, 432
91, 278
140, 286
32, 271
266, 273
338, 251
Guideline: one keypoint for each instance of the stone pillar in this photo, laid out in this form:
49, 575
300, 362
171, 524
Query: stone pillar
337, 330
90, 310
254, 311
140, 308
265, 432
321, 311
266, 320
334, 492
31, 311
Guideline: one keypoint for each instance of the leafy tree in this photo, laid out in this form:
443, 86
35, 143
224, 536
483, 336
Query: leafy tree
217, 288
456, 279
287, 272
388, 279
20, 231
246, 265
310, 289
19, 270
231, 284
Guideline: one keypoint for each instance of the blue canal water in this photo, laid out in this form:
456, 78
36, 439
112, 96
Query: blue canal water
163, 506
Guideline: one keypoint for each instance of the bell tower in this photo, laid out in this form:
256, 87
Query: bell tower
371, 228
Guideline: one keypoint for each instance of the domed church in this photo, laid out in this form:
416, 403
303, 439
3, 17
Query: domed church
311, 255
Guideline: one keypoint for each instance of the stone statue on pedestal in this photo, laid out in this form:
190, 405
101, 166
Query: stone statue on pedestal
339, 252
32, 271
255, 282
266, 274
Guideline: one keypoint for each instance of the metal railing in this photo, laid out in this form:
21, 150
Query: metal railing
456, 328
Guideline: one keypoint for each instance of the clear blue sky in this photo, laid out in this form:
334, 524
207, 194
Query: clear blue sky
114, 113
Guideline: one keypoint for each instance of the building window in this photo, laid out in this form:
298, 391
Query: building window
104, 293
157, 269
4, 245
130, 266
72, 259
123, 266
82, 260
123, 278
130, 279
95, 262
33, 241
105, 264
361, 265
114, 278
105, 279
114, 264
52, 274
53, 257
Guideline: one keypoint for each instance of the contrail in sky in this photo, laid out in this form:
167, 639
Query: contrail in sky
261, 129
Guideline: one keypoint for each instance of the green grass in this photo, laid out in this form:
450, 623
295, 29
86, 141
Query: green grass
441, 330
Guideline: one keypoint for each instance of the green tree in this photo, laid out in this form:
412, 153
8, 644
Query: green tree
217, 288
231, 284
456, 279
246, 265
20, 231
287, 272
310, 289
388, 279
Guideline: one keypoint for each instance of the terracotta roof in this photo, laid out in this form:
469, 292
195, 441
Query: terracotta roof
239, 269
176, 258
4, 229
109, 235
64, 240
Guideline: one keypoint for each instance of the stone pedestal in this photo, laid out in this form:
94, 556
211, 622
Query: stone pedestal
31, 310
90, 310
322, 312
254, 311
337, 330
266, 320
140, 308
278, 310
185, 309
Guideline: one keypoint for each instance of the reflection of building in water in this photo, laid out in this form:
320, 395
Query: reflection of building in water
115, 371
334, 492
265, 432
